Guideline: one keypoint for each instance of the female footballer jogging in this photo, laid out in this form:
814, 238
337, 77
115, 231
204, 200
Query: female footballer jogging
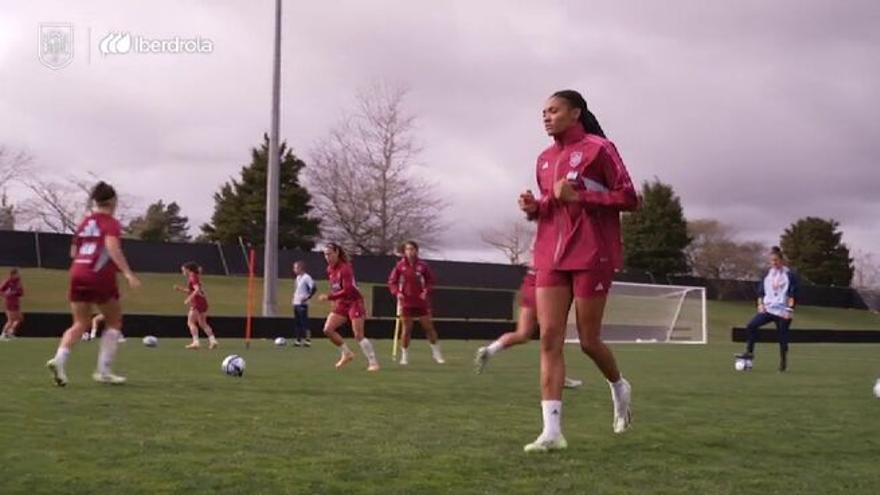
583, 188
96, 252
348, 305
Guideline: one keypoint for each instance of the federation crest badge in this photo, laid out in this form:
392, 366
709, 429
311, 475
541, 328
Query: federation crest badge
56, 45
575, 158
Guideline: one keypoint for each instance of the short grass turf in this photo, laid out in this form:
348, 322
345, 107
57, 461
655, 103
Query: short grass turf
293, 424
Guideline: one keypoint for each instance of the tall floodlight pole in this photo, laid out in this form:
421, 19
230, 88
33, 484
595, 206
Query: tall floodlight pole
270, 250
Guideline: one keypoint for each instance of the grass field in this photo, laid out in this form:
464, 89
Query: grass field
295, 425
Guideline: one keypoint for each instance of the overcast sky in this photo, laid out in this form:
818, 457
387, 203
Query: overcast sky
757, 112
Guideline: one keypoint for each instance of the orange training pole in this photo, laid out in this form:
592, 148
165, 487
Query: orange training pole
250, 300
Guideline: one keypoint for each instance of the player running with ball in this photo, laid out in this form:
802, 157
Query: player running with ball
584, 186
348, 305
97, 255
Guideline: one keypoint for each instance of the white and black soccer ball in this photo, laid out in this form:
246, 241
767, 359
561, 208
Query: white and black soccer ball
742, 364
233, 365
877, 389
151, 341
280, 342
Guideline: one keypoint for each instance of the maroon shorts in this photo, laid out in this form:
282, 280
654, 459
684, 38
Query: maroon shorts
199, 304
415, 312
527, 292
585, 284
350, 309
13, 305
92, 291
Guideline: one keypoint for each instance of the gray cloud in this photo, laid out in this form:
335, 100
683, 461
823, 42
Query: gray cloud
757, 112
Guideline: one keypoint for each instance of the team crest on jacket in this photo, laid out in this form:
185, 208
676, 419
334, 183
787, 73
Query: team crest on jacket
575, 158
545, 166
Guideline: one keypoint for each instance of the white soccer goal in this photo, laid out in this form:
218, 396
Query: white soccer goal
650, 314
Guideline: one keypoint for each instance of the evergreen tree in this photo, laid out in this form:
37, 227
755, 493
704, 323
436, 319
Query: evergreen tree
160, 223
656, 235
813, 247
240, 205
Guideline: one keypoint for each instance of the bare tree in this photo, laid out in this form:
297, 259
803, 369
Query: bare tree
362, 178
514, 240
12, 165
714, 253
867, 270
58, 204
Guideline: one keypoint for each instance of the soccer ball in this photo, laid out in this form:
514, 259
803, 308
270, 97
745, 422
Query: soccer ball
151, 341
742, 364
877, 389
280, 342
233, 365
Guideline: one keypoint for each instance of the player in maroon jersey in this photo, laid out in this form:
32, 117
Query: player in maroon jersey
96, 252
12, 290
348, 305
411, 282
584, 186
198, 305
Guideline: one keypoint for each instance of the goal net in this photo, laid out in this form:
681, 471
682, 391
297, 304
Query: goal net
647, 313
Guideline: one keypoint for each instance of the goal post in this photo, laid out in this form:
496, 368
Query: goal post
650, 314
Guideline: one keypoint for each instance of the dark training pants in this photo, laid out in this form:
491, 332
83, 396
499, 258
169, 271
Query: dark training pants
300, 321
762, 319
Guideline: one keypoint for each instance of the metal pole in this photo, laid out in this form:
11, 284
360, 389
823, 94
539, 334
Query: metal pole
270, 249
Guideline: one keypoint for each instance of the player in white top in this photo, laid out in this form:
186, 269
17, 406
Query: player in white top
776, 301
303, 290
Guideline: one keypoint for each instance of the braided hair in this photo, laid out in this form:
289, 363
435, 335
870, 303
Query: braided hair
587, 119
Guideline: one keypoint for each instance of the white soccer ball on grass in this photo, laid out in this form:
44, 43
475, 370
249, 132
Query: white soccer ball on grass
151, 341
280, 342
233, 365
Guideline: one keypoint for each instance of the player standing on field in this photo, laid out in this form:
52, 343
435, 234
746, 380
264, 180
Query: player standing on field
197, 300
348, 304
411, 282
97, 255
584, 186
304, 289
12, 290
777, 294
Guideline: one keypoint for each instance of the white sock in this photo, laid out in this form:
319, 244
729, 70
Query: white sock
344, 348
552, 413
61, 356
94, 332
403, 354
435, 349
369, 352
617, 387
109, 344
494, 348
211, 338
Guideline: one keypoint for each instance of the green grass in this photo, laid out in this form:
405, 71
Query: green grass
46, 291
294, 425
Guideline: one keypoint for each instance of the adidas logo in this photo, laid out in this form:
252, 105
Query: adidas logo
599, 287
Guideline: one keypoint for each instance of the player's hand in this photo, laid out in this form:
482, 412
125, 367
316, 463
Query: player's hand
527, 202
323, 297
133, 281
424, 295
786, 315
563, 191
